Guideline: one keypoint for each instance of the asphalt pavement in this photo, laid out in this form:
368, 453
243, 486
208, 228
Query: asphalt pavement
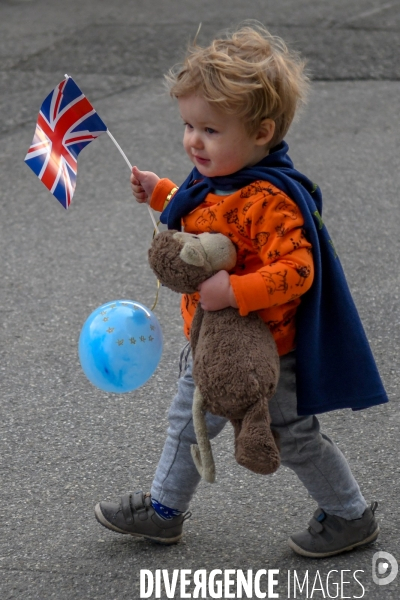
64, 445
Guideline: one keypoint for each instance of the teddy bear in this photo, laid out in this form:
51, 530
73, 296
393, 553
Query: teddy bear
235, 359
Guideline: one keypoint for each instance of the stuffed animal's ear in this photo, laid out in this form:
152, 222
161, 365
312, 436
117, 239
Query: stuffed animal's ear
219, 250
192, 256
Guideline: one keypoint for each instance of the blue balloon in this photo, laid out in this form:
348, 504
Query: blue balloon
120, 346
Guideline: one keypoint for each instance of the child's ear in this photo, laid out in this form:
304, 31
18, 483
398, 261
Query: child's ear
265, 132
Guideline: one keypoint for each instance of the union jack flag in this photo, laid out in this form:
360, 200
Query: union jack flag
67, 122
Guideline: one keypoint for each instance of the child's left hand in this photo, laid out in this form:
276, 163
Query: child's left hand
217, 293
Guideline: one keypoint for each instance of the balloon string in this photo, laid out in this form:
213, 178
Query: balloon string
158, 281
156, 299
156, 230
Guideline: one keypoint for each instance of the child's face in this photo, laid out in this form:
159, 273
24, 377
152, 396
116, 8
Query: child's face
217, 143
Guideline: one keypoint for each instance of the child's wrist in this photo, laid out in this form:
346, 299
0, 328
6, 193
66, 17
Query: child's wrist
163, 192
170, 196
232, 297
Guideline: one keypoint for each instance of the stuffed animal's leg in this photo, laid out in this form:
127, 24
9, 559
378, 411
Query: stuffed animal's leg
202, 453
255, 445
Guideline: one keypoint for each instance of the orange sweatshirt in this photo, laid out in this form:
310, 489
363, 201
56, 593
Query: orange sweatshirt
274, 261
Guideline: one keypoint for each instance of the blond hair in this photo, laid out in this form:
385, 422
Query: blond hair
247, 72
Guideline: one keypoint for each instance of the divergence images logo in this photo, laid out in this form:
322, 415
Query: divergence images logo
384, 568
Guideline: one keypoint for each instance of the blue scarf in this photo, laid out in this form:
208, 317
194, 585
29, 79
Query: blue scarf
335, 366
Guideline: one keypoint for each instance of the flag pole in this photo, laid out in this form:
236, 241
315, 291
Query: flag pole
130, 166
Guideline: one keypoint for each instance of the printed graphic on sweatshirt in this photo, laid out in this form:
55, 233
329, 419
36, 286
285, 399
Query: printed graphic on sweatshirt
275, 282
205, 221
260, 240
288, 210
232, 218
258, 187
303, 273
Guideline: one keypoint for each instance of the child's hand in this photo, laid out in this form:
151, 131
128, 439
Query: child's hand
143, 184
217, 293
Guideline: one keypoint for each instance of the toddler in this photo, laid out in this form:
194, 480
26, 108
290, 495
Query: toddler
237, 99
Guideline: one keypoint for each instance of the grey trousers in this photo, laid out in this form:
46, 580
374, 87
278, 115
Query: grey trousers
316, 460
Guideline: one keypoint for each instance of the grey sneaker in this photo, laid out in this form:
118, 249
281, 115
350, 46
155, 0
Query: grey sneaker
328, 535
136, 516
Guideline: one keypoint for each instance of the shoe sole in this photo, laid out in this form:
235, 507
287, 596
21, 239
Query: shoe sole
303, 552
103, 521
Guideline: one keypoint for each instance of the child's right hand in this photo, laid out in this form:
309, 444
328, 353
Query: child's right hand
143, 184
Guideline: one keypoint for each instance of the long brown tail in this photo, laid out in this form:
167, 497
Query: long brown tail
201, 452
